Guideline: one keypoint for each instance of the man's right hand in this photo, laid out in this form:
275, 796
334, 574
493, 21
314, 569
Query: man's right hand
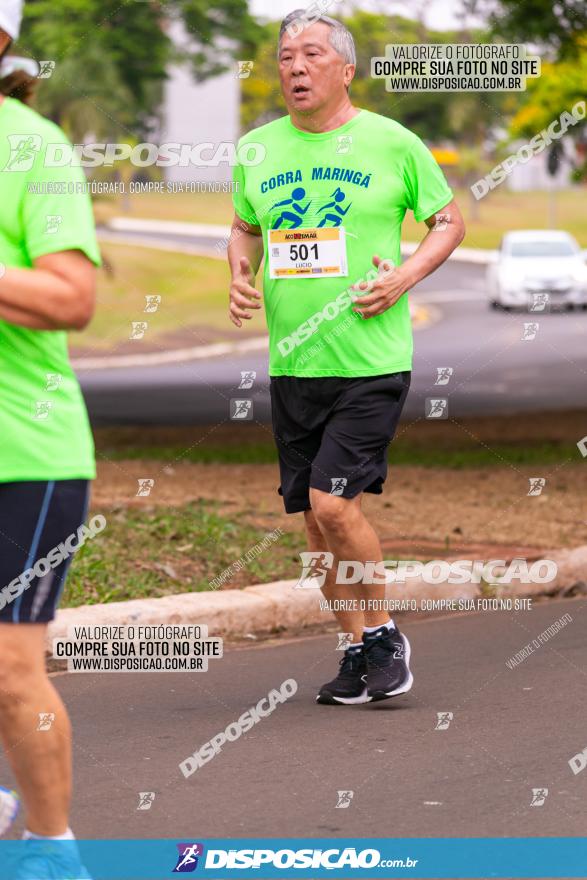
243, 295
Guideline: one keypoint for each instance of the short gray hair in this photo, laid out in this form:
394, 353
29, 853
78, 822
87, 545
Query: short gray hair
341, 38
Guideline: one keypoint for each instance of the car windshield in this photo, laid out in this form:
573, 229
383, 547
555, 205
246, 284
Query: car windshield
540, 248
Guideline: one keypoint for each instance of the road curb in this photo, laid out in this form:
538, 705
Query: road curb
267, 608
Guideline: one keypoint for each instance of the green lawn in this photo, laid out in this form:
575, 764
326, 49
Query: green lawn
163, 550
186, 207
401, 453
499, 211
193, 290
158, 549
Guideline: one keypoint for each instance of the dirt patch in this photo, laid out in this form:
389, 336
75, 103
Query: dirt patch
425, 512
422, 511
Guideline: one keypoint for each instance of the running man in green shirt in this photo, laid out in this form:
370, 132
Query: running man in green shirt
321, 194
48, 255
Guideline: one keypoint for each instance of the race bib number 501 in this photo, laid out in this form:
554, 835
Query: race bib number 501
307, 253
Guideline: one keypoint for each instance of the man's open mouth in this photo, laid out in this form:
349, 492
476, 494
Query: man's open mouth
300, 90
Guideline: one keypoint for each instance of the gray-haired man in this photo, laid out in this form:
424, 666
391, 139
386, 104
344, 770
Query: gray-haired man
326, 200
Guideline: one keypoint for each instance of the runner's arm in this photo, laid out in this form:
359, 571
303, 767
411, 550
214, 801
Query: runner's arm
58, 293
437, 245
245, 252
245, 241
376, 296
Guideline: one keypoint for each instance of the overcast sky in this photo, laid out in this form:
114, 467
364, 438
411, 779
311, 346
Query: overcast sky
438, 14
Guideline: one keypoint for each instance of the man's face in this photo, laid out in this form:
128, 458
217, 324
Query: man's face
5, 41
311, 72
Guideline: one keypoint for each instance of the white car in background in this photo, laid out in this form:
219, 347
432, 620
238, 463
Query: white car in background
538, 270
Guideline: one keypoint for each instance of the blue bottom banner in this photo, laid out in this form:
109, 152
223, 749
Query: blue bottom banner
367, 858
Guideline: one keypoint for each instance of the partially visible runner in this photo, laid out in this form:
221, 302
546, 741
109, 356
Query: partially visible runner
322, 194
48, 254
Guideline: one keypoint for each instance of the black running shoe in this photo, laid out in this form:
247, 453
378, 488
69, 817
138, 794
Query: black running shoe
387, 652
350, 685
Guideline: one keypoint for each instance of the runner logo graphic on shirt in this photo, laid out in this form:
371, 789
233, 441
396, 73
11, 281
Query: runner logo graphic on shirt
335, 219
294, 212
295, 216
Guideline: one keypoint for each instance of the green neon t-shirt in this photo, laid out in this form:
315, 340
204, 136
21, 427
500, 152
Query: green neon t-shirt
363, 176
44, 428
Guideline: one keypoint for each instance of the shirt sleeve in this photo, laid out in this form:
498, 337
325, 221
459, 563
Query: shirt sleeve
426, 186
57, 211
242, 206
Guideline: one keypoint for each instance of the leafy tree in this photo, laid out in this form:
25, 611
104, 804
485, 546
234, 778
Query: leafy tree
559, 88
111, 56
554, 24
435, 116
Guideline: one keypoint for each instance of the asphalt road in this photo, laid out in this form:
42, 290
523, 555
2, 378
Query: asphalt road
495, 371
512, 731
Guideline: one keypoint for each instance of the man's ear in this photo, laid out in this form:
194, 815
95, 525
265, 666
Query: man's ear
349, 73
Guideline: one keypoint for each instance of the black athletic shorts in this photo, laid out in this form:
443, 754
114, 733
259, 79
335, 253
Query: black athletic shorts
332, 433
35, 518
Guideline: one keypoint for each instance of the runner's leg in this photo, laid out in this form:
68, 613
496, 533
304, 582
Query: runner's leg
349, 621
350, 536
41, 760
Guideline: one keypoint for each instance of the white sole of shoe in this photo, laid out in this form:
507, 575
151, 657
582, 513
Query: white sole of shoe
353, 701
329, 700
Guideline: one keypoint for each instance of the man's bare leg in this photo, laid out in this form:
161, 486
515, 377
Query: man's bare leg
350, 536
40, 760
350, 621
386, 650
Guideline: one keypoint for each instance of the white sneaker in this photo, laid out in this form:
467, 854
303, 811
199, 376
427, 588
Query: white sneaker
9, 809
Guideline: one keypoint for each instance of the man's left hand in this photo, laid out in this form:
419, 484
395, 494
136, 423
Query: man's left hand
382, 292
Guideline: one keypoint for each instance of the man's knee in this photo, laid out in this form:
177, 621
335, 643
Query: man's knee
334, 515
19, 668
313, 531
